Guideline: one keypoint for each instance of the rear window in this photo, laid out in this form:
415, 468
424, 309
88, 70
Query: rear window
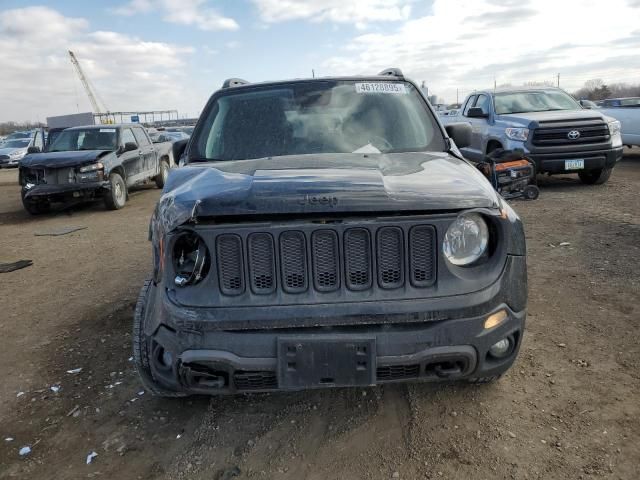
314, 118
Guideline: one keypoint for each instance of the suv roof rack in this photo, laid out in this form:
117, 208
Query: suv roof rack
234, 82
392, 72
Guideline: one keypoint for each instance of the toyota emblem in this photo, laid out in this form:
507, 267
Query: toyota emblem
573, 135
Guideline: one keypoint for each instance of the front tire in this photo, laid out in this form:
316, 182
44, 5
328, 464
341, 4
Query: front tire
35, 207
141, 350
161, 178
116, 197
595, 177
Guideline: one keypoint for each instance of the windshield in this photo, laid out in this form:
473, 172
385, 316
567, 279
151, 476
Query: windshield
19, 135
534, 101
20, 143
89, 139
316, 117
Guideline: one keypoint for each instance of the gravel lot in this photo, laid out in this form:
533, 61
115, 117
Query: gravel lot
569, 408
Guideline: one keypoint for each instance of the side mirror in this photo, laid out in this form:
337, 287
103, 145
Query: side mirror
460, 133
476, 112
129, 147
33, 149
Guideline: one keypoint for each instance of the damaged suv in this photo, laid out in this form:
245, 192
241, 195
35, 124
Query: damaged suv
328, 232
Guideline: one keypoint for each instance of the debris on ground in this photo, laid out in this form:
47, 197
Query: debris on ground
8, 439
74, 371
25, 451
10, 267
564, 244
90, 457
55, 388
59, 231
19, 394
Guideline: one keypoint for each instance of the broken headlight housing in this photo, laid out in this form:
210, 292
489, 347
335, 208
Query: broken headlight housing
466, 239
191, 259
92, 168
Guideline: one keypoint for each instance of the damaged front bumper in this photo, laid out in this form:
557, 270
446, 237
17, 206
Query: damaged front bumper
64, 192
436, 339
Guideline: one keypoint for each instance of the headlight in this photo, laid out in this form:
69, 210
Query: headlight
520, 134
91, 168
615, 129
191, 259
17, 154
466, 239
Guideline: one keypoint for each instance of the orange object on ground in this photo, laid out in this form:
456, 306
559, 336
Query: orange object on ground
515, 164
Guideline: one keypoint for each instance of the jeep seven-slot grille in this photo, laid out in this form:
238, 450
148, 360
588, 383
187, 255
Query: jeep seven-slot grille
326, 260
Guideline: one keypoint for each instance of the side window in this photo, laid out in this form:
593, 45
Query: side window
469, 103
141, 137
127, 137
38, 140
483, 103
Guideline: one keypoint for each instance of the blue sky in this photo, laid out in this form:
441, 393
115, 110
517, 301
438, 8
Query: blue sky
172, 54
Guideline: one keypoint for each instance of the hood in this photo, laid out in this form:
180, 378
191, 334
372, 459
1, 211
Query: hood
327, 183
62, 159
559, 115
7, 150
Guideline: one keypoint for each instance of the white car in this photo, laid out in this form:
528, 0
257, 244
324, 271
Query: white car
12, 151
627, 112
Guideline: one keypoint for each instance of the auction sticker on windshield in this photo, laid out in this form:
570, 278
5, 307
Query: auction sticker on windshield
381, 87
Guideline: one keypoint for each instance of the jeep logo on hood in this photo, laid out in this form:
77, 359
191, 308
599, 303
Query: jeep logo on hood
321, 200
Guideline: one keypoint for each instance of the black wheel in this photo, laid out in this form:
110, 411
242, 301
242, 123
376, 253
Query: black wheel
595, 177
531, 192
484, 380
116, 197
141, 349
34, 206
161, 178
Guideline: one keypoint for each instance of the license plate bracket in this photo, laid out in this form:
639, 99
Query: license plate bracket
325, 361
575, 164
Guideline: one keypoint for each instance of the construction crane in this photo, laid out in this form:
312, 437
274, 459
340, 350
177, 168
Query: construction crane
86, 84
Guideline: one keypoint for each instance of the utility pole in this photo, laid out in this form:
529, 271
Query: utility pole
558, 80
313, 73
457, 99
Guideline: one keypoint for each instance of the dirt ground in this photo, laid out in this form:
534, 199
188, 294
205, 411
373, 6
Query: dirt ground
569, 408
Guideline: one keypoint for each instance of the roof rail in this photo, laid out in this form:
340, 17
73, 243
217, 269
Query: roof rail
234, 82
392, 72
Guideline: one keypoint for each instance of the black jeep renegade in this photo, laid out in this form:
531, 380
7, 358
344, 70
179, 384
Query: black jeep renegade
324, 233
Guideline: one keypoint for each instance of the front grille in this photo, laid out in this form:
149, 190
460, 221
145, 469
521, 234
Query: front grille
4, 157
261, 263
357, 257
246, 380
554, 134
390, 257
229, 250
326, 259
397, 372
326, 269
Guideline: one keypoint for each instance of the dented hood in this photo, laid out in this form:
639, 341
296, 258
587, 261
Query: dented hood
62, 159
327, 183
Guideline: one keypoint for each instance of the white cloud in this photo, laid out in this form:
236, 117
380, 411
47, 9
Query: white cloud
183, 12
128, 73
358, 12
466, 44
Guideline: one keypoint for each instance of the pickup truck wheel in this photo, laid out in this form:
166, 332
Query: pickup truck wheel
116, 197
35, 207
141, 350
161, 178
595, 177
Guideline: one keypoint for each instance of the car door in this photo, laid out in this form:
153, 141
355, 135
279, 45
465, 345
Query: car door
148, 153
131, 160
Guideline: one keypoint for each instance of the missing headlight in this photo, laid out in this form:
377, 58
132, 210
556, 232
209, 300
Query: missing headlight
191, 259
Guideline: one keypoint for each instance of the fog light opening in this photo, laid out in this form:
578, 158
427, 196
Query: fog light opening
495, 319
502, 348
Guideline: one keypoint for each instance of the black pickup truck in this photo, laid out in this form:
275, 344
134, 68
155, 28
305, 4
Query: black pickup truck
85, 163
323, 233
